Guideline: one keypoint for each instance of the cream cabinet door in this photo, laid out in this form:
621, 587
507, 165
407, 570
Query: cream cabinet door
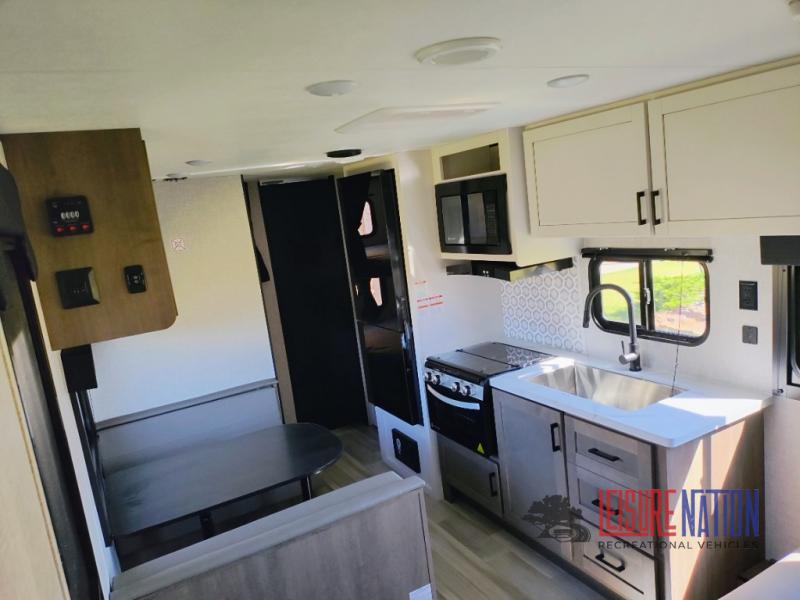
726, 158
590, 175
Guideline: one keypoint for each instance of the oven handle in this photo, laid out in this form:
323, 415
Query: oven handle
451, 402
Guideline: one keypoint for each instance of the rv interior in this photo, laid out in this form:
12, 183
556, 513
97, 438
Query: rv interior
452, 300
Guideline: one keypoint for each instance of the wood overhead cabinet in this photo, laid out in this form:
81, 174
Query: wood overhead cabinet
722, 158
110, 169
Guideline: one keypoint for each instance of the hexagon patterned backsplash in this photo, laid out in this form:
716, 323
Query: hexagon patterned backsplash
545, 310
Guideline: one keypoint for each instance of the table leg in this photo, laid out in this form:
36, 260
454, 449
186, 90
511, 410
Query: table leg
305, 484
207, 523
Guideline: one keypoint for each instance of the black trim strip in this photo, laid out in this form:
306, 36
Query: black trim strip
671, 253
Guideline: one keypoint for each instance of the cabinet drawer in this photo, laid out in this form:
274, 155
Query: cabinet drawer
471, 474
583, 495
622, 459
621, 569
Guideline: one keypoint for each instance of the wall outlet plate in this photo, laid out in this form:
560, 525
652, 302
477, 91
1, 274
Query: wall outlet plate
749, 334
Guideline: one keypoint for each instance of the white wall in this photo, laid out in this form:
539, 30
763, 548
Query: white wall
220, 337
469, 311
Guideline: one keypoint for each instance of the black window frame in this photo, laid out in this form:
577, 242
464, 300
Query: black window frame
647, 308
793, 323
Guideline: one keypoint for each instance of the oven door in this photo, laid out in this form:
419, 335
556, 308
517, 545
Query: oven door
473, 216
467, 422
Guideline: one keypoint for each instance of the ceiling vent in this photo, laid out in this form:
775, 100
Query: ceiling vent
405, 116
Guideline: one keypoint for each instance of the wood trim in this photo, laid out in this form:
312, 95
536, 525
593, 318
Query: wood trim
37, 571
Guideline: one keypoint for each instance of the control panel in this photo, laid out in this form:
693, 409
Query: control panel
69, 216
454, 385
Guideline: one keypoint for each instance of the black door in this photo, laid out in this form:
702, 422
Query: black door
377, 269
308, 265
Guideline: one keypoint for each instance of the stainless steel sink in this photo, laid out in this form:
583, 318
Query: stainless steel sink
605, 387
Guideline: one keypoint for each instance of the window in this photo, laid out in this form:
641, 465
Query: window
375, 290
669, 289
367, 225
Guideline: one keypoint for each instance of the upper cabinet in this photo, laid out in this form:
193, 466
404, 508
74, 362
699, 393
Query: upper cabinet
726, 158
589, 176
717, 159
490, 222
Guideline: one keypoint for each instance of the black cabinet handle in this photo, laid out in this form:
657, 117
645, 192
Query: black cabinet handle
603, 455
653, 195
555, 445
602, 558
639, 198
612, 511
492, 484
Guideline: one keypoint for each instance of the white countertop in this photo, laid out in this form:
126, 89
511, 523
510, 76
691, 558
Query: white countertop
781, 580
704, 407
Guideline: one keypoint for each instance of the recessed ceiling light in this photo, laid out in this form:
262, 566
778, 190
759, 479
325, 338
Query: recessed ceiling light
343, 153
197, 162
337, 87
458, 52
568, 81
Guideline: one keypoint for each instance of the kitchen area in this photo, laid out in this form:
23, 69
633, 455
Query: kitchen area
443, 320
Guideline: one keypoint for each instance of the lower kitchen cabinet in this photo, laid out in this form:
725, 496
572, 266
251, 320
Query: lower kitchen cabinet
539, 446
531, 455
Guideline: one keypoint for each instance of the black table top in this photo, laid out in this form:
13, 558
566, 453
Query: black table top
209, 475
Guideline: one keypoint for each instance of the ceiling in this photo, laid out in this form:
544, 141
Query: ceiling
224, 80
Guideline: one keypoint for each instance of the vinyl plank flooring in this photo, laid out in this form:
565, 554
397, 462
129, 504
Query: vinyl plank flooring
473, 557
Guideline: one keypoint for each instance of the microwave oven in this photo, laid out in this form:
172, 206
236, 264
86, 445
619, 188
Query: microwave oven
473, 216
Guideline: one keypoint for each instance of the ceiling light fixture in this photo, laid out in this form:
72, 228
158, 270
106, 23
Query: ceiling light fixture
337, 87
458, 52
568, 81
343, 153
197, 162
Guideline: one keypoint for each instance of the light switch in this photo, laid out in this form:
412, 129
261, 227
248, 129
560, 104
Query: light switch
749, 334
134, 279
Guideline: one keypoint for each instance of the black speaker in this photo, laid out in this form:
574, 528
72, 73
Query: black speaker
79, 368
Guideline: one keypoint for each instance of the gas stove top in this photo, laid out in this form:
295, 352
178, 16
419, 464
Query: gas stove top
485, 360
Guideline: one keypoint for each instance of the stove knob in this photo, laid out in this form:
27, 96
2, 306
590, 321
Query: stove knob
428, 376
437, 379
466, 390
456, 387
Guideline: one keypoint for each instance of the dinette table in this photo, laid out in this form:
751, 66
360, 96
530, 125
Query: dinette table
203, 477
